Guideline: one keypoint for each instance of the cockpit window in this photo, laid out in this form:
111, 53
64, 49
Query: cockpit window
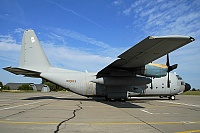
182, 83
179, 78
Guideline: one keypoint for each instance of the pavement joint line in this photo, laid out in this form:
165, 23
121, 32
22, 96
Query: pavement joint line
193, 105
146, 111
20, 105
145, 122
165, 113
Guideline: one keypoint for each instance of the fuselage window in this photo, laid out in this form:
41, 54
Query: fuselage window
179, 78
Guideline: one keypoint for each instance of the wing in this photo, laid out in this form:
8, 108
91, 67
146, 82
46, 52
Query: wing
146, 51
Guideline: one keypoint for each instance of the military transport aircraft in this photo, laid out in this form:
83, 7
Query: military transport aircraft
132, 74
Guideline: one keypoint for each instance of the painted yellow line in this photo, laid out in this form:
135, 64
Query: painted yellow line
190, 131
26, 122
95, 123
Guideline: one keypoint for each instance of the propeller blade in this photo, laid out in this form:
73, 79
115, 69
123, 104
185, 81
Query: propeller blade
168, 81
170, 68
167, 63
151, 83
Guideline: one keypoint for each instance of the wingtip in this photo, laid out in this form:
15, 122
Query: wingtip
151, 37
173, 36
192, 39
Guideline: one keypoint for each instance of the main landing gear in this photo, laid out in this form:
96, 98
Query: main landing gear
116, 99
173, 97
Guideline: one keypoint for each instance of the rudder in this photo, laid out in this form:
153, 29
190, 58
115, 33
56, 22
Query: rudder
32, 55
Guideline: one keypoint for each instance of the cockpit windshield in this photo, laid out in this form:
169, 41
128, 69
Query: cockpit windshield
179, 78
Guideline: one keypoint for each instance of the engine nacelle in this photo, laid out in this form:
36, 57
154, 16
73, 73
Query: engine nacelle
122, 81
153, 70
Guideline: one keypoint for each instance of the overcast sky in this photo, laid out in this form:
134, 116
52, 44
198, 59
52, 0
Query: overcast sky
90, 34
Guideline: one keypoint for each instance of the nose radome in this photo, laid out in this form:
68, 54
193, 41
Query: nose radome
187, 87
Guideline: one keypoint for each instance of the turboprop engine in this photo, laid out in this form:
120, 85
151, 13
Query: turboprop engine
153, 70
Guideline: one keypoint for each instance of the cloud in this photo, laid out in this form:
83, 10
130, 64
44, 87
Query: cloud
164, 17
78, 57
19, 30
117, 2
77, 14
7, 43
9, 49
63, 33
133, 6
74, 58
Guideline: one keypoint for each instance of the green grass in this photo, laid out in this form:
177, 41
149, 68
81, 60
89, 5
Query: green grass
19, 91
191, 93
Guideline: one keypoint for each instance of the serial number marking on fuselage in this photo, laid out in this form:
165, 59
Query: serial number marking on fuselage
71, 81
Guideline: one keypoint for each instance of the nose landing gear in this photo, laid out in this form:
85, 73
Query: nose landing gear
173, 97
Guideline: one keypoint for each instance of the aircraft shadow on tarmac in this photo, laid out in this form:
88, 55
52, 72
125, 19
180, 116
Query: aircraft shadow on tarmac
130, 103
118, 104
56, 98
122, 104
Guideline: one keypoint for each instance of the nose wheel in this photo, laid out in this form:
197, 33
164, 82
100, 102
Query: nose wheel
172, 97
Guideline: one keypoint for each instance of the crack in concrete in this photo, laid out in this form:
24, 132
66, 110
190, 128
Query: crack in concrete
74, 115
142, 121
23, 111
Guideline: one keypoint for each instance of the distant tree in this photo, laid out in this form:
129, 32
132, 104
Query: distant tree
193, 89
25, 87
5, 87
52, 86
1, 85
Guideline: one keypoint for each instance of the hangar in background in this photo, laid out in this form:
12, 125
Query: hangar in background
36, 87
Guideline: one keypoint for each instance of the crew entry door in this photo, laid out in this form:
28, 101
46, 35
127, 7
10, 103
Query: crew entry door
90, 86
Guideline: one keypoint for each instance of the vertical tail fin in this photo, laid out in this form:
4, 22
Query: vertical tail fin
32, 55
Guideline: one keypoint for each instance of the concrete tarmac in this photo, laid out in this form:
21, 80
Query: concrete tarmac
61, 112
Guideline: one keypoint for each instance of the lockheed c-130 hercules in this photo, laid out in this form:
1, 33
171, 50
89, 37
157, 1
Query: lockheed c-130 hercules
132, 74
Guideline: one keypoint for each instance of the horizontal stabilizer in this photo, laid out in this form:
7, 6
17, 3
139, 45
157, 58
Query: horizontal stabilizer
21, 71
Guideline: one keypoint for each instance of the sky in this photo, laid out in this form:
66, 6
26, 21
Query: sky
90, 34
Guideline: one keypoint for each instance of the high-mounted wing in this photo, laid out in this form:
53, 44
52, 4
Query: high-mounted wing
146, 51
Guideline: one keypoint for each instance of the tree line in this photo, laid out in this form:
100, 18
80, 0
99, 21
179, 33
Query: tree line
52, 86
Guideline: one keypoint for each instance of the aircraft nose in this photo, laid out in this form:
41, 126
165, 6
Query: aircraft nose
187, 87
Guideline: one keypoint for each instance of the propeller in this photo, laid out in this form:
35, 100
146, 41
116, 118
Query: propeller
170, 68
151, 82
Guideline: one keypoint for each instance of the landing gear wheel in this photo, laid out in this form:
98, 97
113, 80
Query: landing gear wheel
123, 99
172, 97
108, 99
